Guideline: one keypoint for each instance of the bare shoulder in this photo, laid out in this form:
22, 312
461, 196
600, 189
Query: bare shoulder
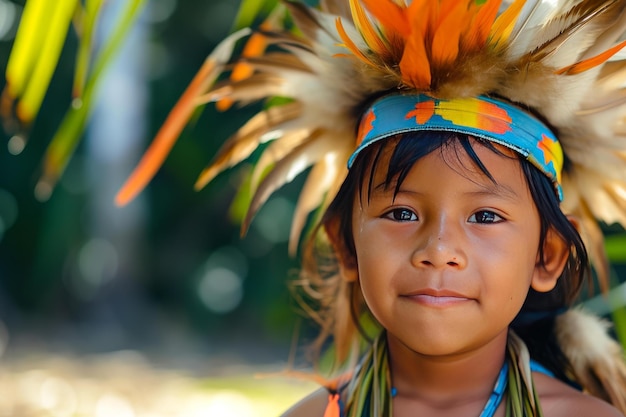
561, 400
313, 405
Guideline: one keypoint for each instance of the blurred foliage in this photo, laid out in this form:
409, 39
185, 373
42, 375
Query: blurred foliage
156, 295
180, 230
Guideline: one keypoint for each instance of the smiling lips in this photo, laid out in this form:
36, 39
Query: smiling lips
437, 298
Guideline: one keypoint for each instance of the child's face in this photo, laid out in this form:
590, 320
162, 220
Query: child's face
446, 264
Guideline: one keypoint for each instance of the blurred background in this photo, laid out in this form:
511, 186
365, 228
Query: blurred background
165, 284
158, 308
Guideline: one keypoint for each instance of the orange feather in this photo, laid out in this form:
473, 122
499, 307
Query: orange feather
333, 409
478, 30
587, 64
416, 12
348, 43
389, 14
256, 46
414, 66
167, 135
445, 46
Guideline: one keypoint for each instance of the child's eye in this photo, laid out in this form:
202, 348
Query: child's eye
485, 216
401, 215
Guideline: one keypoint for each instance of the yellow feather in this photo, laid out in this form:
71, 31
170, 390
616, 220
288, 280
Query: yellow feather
349, 44
504, 24
364, 25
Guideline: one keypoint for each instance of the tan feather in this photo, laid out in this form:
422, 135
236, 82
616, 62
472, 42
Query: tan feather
321, 187
597, 359
302, 157
239, 146
254, 88
278, 62
311, 22
317, 183
576, 38
609, 37
590, 231
277, 150
551, 26
337, 7
520, 352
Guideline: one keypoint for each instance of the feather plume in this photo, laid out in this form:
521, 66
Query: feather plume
597, 360
318, 145
241, 145
276, 151
321, 182
178, 118
519, 352
546, 55
563, 59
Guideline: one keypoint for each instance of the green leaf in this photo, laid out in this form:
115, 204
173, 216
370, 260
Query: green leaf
35, 54
616, 248
250, 10
85, 46
69, 134
618, 316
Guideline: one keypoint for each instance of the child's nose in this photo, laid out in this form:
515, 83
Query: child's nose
439, 244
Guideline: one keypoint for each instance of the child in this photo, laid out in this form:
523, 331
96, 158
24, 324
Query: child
445, 264
439, 235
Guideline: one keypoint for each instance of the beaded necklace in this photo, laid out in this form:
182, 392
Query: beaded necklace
368, 392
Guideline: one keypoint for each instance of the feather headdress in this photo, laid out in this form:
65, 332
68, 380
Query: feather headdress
558, 59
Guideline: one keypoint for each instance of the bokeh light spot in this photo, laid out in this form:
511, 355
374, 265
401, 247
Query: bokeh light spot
16, 144
111, 405
58, 397
98, 261
271, 221
8, 19
221, 290
161, 10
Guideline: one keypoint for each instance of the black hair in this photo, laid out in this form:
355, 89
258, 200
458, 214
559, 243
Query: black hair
535, 322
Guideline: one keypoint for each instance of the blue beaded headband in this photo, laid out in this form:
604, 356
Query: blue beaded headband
483, 117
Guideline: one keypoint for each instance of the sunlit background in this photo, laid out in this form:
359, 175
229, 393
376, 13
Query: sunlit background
159, 308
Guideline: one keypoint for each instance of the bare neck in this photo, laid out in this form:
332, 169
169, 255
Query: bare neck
446, 381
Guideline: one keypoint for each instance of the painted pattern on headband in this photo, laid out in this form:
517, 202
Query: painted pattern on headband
483, 117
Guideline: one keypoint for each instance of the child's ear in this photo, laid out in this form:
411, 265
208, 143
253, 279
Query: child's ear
555, 255
347, 260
